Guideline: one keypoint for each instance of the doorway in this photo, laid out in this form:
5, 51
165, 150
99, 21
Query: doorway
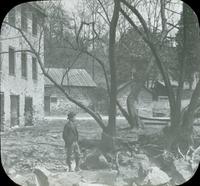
28, 111
14, 110
47, 105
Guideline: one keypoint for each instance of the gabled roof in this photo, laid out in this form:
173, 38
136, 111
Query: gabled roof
75, 77
127, 85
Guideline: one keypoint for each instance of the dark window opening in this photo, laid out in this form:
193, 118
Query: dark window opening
34, 68
34, 24
28, 111
11, 61
54, 99
47, 105
24, 64
14, 110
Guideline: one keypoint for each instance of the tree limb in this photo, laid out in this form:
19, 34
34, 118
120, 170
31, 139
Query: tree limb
89, 111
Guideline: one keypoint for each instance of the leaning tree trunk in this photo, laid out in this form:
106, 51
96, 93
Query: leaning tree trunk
132, 110
131, 114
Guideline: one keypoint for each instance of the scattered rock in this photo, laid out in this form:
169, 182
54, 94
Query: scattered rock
156, 176
20, 180
42, 176
91, 184
47, 178
184, 168
120, 182
195, 159
106, 177
54, 136
124, 160
139, 161
134, 184
128, 174
95, 160
11, 172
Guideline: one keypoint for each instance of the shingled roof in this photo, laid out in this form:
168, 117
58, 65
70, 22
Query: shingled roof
75, 77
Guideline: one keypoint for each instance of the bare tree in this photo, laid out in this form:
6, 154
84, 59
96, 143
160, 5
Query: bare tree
177, 121
34, 48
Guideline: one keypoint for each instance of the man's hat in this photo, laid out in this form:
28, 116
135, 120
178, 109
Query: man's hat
71, 114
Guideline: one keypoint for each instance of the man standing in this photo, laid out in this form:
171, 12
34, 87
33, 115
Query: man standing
70, 136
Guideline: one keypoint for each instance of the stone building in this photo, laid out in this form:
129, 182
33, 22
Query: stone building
21, 79
77, 83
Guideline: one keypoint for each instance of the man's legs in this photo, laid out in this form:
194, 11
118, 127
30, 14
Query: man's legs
77, 155
68, 149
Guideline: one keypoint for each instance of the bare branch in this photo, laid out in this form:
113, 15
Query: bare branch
172, 11
99, 61
153, 50
103, 17
108, 19
68, 69
139, 16
88, 110
40, 38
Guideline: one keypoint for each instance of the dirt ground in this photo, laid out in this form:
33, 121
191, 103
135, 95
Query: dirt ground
24, 148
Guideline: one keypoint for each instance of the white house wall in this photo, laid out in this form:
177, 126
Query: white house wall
16, 84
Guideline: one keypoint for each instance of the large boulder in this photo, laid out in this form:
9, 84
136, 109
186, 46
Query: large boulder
156, 176
128, 175
24, 180
47, 178
82, 178
95, 160
195, 159
106, 177
184, 168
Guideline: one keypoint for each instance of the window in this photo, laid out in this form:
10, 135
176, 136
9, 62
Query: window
53, 99
162, 98
11, 61
34, 24
24, 23
11, 17
34, 68
24, 64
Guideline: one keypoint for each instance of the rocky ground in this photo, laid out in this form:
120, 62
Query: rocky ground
37, 151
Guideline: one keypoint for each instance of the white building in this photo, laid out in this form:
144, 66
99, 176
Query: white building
21, 79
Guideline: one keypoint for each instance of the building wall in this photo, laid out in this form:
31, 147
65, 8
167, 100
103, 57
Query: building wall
63, 105
16, 84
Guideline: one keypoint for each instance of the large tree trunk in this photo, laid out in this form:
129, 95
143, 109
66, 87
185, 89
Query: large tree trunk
132, 97
131, 114
181, 135
180, 132
110, 131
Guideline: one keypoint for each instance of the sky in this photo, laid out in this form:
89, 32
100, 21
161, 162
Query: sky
69, 4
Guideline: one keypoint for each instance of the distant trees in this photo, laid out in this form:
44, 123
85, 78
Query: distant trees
188, 43
180, 131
